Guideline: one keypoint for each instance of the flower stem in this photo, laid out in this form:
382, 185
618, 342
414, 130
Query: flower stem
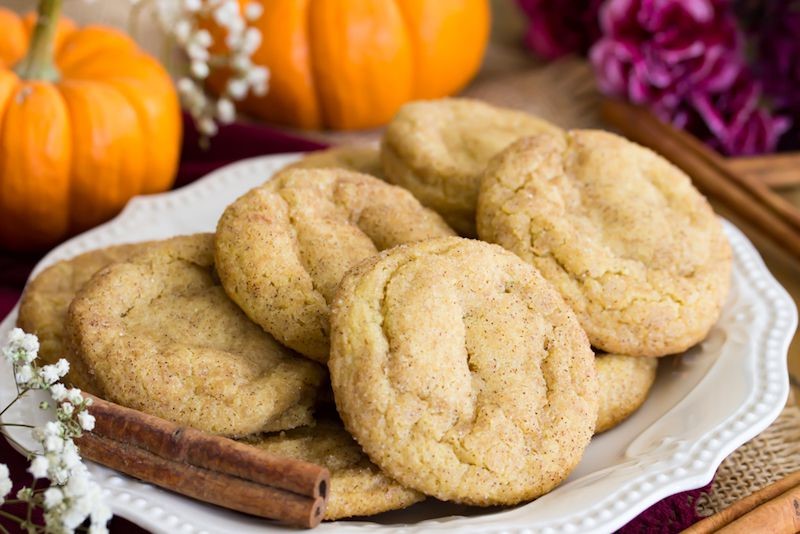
17, 424
10, 404
30, 504
12, 517
38, 63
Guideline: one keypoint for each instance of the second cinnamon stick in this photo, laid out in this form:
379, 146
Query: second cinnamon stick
202, 484
182, 444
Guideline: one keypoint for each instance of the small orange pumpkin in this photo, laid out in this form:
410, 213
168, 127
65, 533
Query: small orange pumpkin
348, 64
87, 120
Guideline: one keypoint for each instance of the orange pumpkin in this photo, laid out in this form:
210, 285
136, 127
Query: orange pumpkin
348, 64
87, 121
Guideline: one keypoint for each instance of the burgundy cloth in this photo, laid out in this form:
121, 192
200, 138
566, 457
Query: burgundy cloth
233, 143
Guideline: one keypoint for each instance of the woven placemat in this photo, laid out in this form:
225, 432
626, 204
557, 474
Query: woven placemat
770, 456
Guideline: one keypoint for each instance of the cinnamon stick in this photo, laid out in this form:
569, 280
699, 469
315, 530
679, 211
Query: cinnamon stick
780, 515
206, 467
188, 445
778, 171
747, 505
202, 484
775, 218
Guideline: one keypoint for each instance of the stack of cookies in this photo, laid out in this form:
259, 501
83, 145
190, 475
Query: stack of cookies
452, 315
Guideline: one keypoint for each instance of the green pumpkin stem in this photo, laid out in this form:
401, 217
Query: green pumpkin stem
38, 64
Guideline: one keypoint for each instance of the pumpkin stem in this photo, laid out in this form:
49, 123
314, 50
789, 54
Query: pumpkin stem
38, 63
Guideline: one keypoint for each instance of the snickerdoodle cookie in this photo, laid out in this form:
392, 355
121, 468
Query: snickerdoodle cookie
283, 247
359, 158
631, 245
358, 487
43, 308
159, 335
624, 384
438, 149
462, 372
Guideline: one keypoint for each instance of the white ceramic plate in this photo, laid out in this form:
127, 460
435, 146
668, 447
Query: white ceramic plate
704, 404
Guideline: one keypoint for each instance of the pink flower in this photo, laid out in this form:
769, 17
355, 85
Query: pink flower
658, 51
684, 59
776, 31
560, 28
733, 122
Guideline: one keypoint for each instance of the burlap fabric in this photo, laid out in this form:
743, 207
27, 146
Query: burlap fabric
770, 456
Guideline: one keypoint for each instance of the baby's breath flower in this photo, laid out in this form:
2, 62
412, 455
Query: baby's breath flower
74, 395
192, 5
86, 421
63, 366
237, 88
200, 69
39, 467
203, 38
253, 11
21, 348
181, 21
24, 375
196, 52
207, 126
241, 63
53, 497
5, 482
182, 31
252, 40
58, 392
50, 374
70, 456
226, 111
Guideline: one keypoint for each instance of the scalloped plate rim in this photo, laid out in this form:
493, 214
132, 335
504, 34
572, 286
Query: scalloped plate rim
775, 386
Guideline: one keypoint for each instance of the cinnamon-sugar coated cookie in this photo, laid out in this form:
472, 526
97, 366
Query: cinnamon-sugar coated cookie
624, 383
44, 304
461, 372
358, 487
623, 235
359, 158
283, 247
160, 335
437, 149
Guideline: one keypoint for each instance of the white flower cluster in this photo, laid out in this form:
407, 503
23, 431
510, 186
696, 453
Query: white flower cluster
20, 351
5, 482
180, 19
68, 505
59, 455
72, 496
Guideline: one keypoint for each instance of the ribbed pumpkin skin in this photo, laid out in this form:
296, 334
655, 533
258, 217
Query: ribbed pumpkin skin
74, 151
349, 64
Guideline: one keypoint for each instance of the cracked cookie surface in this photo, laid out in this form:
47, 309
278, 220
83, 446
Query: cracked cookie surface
461, 372
624, 382
160, 335
44, 304
623, 234
283, 247
358, 487
359, 158
437, 149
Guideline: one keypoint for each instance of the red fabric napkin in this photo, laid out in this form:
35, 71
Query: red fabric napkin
232, 143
